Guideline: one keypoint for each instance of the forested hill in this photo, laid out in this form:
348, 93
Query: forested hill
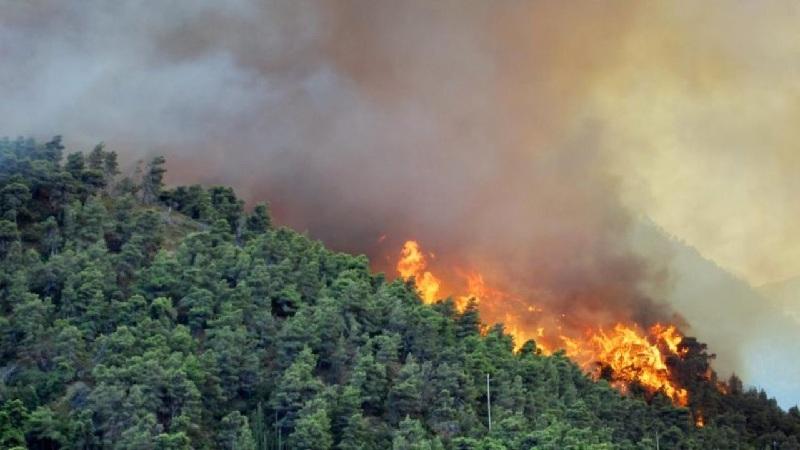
134, 316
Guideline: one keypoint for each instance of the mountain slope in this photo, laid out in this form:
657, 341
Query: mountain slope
751, 334
135, 316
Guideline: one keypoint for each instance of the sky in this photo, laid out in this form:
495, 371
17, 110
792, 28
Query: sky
527, 139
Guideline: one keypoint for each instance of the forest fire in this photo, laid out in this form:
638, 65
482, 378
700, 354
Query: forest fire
623, 355
412, 263
629, 355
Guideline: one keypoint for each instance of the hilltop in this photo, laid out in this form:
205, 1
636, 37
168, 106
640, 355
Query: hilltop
139, 316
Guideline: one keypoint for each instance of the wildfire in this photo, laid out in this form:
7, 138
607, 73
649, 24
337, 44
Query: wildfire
476, 289
632, 356
624, 355
670, 336
699, 420
413, 263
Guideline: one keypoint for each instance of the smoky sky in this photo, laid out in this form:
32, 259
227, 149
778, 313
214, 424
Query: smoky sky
462, 124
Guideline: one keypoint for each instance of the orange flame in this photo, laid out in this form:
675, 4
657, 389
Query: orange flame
625, 354
476, 289
412, 263
699, 420
671, 337
632, 356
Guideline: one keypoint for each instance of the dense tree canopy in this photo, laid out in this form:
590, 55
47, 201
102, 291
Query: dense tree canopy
133, 316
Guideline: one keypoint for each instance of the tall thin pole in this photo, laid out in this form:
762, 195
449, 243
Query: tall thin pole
277, 429
489, 402
657, 447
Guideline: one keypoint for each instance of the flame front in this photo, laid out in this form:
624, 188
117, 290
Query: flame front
624, 355
632, 356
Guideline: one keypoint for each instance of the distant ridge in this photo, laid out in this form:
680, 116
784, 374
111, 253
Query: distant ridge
753, 331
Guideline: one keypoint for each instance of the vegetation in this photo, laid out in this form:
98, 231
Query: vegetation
138, 317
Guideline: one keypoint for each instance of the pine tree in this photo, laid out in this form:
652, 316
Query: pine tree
92, 222
153, 180
13, 197
297, 386
75, 165
369, 377
260, 428
358, 434
259, 221
236, 433
13, 416
9, 235
405, 397
51, 237
313, 428
468, 322
411, 436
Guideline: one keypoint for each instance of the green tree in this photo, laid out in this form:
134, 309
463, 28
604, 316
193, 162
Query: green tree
153, 180
405, 396
412, 436
13, 416
44, 429
313, 428
468, 322
296, 386
358, 434
199, 308
13, 198
236, 433
259, 221
369, 378
92, 222
9, 235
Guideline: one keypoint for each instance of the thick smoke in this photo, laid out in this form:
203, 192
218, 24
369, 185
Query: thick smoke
475, 127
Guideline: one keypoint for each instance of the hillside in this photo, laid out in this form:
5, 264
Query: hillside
751, 330
136, 316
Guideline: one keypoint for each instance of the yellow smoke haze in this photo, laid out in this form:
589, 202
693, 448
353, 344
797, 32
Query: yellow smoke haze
702, 112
